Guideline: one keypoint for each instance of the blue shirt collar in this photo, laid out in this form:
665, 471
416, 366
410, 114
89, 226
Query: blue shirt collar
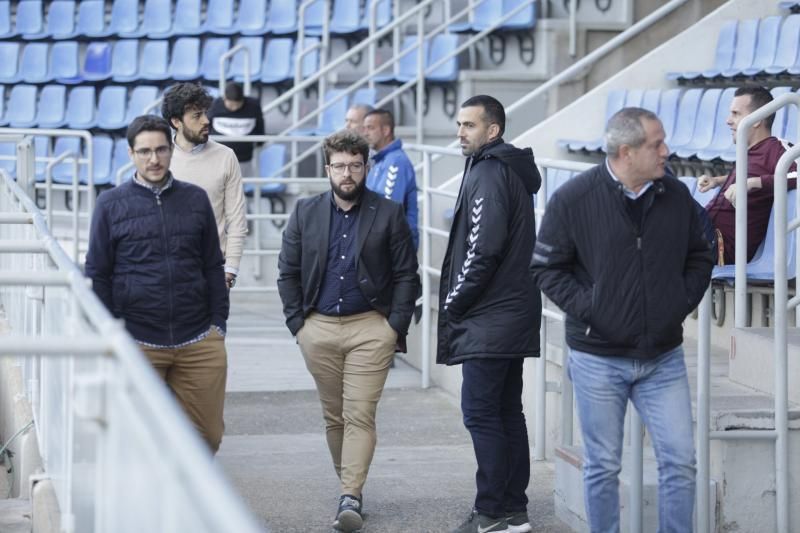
196, 149
629, 193
153, 188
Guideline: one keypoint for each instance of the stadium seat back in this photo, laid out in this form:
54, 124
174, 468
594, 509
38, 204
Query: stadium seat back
141, 97
252, 17
51, 109
9, 61
237, 64
124, 18
30, 18
21, 111
155, 60
81, 108
111, 107
213, 49
443, 45
97, 61
277, 66
282, 17
91, 18
185, 63
61, 19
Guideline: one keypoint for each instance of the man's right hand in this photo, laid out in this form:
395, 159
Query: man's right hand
706, 182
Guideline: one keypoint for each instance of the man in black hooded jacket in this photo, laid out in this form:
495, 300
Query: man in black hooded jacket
490, 310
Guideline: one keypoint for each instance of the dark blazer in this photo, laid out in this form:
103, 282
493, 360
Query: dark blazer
385, 259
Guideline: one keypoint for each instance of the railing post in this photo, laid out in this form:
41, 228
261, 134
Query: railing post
426, 276
567, 437
420, 73
540, 435
703, 512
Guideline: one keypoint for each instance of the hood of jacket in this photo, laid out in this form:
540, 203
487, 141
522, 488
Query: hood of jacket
519, 160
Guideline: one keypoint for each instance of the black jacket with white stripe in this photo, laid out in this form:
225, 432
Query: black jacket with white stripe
489, 306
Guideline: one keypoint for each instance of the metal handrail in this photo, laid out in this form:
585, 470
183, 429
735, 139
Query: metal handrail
247, 67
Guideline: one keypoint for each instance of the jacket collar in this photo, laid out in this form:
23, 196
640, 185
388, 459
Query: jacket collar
396, 144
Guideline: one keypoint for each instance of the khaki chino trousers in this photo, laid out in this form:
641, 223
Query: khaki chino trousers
196, 375
349, 358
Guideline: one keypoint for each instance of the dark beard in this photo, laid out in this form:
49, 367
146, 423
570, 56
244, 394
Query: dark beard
195, 138
351, 195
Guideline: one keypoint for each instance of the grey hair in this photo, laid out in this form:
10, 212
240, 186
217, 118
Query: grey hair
625, 127
366, 108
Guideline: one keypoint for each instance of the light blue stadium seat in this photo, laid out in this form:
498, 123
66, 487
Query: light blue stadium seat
237, 64
744, 53
111, 107
156, 20
6, 29
703, 198
81, 108
405, 68
310, 63
124, 18
185, 63
685, 120
33, 65
703, 131
614, 102
726, 44
524, 20
125, 61
313, 17
63, 172
346, 17
102, 160
155, 61
383, 14
766, 46
9, 62
690, 182
61, 20
92, 19
64, 65
555, 178
190, 21
220, 17
141, 96
97, 61
651, 100
51, 110
278, 61
790, 129
282, 17
485, 12
120, 159
634, 98
251, 18
779, 124
30, 20
270, 160
442, 46
788, 45
364, 96
21, 110
668, 111
213, 49
2, 105
722, 140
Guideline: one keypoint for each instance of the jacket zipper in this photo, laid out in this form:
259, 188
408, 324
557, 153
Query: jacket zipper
169, 268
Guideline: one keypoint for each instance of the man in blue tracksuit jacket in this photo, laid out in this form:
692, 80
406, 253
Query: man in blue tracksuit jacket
392, 174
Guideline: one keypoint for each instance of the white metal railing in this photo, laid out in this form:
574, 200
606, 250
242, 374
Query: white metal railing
121, 455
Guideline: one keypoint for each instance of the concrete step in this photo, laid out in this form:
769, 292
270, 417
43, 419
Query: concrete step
752, 360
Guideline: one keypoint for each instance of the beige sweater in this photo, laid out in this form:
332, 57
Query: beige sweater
214, 168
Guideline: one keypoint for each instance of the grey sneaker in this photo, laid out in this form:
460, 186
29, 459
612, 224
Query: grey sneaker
348, 516
518, 522
479, 523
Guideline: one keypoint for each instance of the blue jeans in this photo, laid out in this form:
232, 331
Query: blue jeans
659, 390
491, 401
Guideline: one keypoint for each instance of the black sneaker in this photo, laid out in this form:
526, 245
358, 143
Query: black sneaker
518, 522
348, 517
479, 523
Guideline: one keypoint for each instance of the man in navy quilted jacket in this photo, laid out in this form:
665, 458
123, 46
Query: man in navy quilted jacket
155, 261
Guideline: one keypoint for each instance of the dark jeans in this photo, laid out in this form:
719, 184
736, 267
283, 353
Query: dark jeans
491, 400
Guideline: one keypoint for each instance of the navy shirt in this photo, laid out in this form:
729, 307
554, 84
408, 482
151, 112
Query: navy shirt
340, 294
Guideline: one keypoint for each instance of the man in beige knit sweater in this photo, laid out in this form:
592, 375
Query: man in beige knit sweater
210, 165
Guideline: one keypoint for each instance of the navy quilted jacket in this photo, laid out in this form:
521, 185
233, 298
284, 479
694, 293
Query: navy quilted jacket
155, 261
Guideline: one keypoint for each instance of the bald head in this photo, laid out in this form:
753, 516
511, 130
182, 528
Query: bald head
354, 119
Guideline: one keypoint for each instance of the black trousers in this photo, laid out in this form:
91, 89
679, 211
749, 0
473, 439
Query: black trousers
491, 402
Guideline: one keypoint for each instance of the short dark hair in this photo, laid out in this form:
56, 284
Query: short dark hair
386, 117
759, 97
182, 97
345, 141
234, 91
147, 123
493, 110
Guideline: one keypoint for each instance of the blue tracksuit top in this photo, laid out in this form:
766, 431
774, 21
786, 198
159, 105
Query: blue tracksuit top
392, 175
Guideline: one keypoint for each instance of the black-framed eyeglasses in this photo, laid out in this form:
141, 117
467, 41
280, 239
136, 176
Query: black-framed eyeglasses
355, 168
147, 153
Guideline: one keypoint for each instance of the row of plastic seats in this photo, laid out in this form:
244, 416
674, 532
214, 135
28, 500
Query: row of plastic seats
131, 60
752, 48
434, 50
694, 120
159, 20
486, 13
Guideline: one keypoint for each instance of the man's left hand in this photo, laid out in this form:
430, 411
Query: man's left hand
752, 183
230, 280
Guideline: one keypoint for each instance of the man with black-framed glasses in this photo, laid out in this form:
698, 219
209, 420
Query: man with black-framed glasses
155, 261
348, 281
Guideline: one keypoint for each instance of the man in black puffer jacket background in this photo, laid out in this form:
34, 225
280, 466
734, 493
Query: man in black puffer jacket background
622, 252
490, 310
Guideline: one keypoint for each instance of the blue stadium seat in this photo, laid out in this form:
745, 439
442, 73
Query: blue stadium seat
63, 172
124, 18
6, 29
185, 63
270, 160
121, 159
405, 68
365, 96
788, 44
61, 20
703, 131
2, 105
111, 107
668, 111
64, 62
310, 63
156, 20
726, 44
33, 65
190, 21
345, 17
722, 139
703, 198
97, 61
21, 111
125, 61
314, 18
382, 17
443, 45
92, 19
779, 124
766, 46
790, 129
614, 102
278, 61
555, 178
9, 62
651, 100
213, 49
484, 14
81, 108
237, 63
685, 118
690, 182
634, 98
744, 53
524, 20
282, 17
30, 20
155, 61
219, 17
252, 17
141, 97
52, 106
103, 148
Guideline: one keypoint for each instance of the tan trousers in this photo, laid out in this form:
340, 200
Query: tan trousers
349, 358
196, 375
